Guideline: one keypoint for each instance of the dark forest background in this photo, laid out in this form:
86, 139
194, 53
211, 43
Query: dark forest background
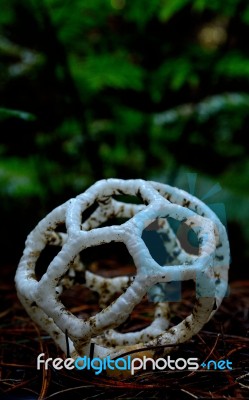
92, 89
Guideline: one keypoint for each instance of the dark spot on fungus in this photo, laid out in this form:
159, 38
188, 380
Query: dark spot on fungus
104, 200
120, 191
187, 324
219, 258
186, 203
92, 322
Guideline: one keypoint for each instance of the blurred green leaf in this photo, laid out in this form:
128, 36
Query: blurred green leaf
133, 11
245, 15
7, 13
169, 8
172, 74
228, 8
108, 70
18, 178
199, 5
233, 65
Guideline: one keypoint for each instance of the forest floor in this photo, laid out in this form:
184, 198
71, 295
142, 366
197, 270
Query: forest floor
226, 336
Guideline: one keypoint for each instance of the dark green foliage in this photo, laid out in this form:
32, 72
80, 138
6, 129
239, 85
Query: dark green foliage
119, 88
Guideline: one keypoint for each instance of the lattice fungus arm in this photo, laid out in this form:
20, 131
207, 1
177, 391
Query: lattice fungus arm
160, 202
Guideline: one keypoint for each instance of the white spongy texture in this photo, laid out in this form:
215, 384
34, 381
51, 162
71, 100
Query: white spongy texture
160, 202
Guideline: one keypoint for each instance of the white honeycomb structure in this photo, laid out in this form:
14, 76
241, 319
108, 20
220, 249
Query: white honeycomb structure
208, 268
